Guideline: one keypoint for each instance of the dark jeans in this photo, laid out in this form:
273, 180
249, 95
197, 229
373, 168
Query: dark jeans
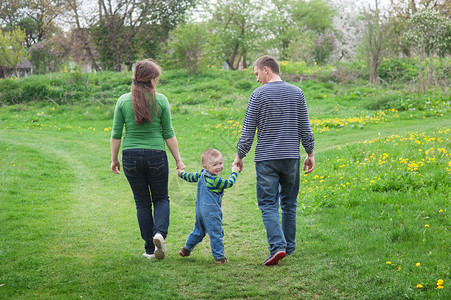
278, 180
148, 169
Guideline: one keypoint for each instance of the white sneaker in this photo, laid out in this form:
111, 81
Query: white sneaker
148, 255
160, 245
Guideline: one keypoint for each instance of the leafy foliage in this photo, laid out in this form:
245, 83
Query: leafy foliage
188, 45
429, 33
235, 25
12, 51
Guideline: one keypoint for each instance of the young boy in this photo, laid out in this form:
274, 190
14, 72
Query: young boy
210, 189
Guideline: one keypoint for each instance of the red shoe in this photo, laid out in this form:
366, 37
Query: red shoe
274, 258
184, 252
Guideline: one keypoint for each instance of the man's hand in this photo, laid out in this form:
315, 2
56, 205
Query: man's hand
238, 164
309, 163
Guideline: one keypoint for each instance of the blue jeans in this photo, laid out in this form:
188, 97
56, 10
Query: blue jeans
278, 180
148, 169
208, 220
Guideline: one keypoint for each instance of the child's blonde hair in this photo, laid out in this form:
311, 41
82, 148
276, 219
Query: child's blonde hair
208, 155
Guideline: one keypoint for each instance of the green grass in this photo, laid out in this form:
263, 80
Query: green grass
68, 225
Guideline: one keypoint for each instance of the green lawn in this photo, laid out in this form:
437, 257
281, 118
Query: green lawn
373, 218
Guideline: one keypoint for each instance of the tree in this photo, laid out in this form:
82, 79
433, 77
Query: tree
41, 57
13, 14
236, 26
31, 28
375, 31
10, 11
429, 33
324, 45
12, 51
44, 13
288, 20
401, 12
188, 44
347, 25
82, 45
301, 48
120, 22
315, 15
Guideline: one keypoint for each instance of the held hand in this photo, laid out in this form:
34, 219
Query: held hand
309, 163
116, 167
180, 166
179, 172
238, 164
235, 168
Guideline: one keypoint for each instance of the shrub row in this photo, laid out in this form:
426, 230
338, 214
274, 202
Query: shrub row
213, 83
106, 86
65, 87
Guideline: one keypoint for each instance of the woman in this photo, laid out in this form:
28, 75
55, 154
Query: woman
147, 120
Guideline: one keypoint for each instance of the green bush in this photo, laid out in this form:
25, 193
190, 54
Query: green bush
243, 84
347, 73
10, 91
381, 102
33, 90
76, 78
401, 69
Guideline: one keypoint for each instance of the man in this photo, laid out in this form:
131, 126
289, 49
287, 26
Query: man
279, 112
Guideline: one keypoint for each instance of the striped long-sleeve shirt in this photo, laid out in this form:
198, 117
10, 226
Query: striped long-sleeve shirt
214, 183
278, 111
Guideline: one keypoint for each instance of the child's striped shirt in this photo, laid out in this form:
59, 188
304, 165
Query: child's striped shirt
215, 184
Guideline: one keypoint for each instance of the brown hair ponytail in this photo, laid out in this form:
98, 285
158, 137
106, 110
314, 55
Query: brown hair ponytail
145, 77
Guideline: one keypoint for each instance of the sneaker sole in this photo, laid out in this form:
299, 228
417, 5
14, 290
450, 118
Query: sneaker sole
159, 253
149, 256
275, 260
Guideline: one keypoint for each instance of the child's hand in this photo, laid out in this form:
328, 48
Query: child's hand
179, 171
235, 168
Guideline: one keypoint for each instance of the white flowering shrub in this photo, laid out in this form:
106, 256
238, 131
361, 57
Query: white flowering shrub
429, 33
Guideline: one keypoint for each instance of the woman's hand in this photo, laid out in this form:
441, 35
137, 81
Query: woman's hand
180, 165
115, 164
116, 167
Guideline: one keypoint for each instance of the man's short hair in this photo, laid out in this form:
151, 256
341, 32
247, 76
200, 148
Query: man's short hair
267, 61
208, 155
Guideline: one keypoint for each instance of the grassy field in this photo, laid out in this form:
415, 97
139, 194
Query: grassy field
373, 218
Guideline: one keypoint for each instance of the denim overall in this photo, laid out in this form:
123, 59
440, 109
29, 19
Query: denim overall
208, 219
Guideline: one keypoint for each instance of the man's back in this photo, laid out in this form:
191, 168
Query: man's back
279, 112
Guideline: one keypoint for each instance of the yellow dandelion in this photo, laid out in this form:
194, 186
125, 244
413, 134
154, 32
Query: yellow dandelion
388, 262
399, 268
419, 286
440, 287
440, 282
440, 211
426, 225
417, 264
